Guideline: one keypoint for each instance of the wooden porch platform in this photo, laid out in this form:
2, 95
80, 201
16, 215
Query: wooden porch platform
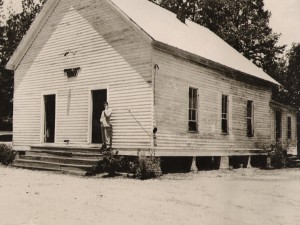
192, 153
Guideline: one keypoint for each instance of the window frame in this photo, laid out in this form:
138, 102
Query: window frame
225, 114
194, 108
250, 117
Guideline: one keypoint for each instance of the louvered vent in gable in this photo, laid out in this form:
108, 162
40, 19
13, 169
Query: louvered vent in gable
72, 72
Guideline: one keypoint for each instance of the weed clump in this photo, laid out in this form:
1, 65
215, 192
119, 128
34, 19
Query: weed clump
140, 167
278, 156
7, 155
146, 167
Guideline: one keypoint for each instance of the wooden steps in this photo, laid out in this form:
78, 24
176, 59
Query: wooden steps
295, 160
296, 163
79, 161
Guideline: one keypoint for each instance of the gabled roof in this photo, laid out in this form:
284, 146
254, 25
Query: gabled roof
163, 26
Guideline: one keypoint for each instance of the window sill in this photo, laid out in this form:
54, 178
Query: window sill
224, 133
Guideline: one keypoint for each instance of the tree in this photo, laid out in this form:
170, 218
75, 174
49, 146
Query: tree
12, 32
291, 80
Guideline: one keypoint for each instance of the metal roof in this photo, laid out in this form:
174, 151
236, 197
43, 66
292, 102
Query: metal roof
163, 26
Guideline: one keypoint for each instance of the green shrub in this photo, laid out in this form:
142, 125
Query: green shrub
7, 155
146, 167
278, 155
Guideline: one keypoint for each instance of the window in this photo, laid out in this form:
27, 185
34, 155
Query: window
193, 109
278, 125
289, 127
250, 109
224, 114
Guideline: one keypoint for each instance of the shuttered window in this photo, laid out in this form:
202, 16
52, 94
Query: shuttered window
289, 127
224, 122
250, 114
193, 109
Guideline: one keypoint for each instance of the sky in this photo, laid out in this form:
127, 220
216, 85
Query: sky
285, 18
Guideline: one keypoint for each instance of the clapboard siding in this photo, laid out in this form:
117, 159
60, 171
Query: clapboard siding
173, 80
110, 53
285, 113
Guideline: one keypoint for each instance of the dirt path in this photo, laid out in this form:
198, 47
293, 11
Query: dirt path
216, 197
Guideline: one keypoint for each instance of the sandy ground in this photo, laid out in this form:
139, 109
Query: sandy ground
244, 196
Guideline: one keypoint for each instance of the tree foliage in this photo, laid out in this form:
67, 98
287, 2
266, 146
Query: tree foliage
290, 79
12, 31
293, 75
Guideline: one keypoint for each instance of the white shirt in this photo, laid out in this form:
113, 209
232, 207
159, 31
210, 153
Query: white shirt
105, 117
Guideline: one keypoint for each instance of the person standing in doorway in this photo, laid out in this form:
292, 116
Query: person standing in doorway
106, 126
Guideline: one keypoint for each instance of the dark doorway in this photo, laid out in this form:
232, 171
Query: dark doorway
49, 123
98, 97
278, 125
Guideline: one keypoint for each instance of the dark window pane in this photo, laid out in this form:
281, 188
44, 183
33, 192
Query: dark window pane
249, 127
224, 126
224, 116
193, 109
289, 128
192, 126
195, 98
289, 123
190, 98
249, 108
195, 103
194, 115
250, 118
224, 103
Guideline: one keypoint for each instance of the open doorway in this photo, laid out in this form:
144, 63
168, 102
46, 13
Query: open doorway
49, 119
98, 98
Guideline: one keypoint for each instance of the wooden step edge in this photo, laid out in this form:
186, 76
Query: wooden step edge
53, 163
62, 158
66, 148
63, 171
61, 161
34, 167
66, 152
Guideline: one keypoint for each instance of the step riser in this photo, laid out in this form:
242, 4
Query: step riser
70, 155
79, 150
61, 160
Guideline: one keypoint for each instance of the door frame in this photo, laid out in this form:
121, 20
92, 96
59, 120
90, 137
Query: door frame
90, 111
42, 122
